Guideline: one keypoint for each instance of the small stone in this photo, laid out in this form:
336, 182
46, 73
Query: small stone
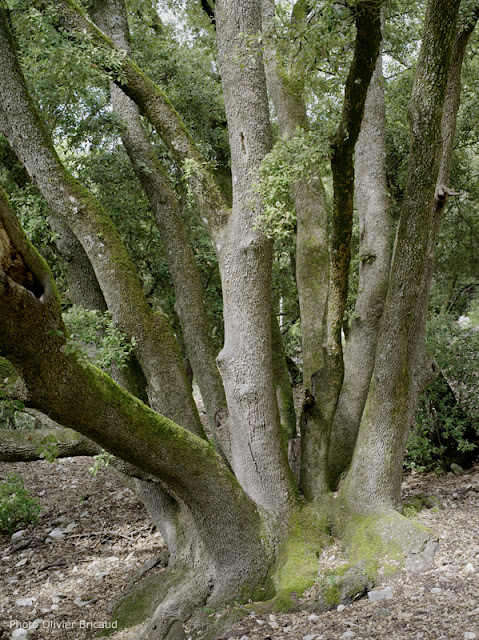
314, 618
381, 594
62, 520
274, 625
56, 599
54, 607
56, 534
456, 469
310, 637
18, 535
244, 638
470, 635
25, 602
470, 567
69, 528
340, 608
19, 633
436, 590
22, 562
347, 634
272, 618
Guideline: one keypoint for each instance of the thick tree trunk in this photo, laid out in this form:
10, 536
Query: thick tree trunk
226, 521
375, 245
374, 480
245, 256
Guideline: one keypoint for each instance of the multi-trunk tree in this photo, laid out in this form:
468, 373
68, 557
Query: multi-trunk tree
236, 523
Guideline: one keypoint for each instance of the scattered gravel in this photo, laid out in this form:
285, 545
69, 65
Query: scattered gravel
51, 581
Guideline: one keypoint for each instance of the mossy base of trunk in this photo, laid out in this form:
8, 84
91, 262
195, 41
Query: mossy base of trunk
376, 546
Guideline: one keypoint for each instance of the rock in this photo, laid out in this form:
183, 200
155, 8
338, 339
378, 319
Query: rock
54, 607
22, 562
470, 635
381, 594
56, 534
69, 528
18, 535
310, 637
314, 618
25, 602
470, 567
62, 520
19, 633
436, 590
347, 634
456, 469
274, 625
244, 638
340, 608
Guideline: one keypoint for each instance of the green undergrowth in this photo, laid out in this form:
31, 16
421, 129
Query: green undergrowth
415, 504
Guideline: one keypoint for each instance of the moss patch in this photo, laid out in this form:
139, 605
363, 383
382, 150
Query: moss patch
143, 598
297, 565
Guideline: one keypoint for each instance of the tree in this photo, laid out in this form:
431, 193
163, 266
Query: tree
236, 528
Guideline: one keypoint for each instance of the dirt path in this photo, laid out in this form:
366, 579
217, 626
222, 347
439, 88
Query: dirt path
105, 535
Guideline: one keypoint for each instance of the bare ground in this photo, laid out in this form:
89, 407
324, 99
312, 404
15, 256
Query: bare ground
68, 583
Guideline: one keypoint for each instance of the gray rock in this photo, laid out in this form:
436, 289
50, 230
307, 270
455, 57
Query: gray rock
314, 618
24, 602
310, 637
62, 520
22, 562
18, 535
381, 594
436, 590
274, 625
470, 635
56, 534
456, 469
19, 633
340, 608
347, 634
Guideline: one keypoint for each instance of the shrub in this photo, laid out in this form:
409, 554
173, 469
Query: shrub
17, 507
446, 424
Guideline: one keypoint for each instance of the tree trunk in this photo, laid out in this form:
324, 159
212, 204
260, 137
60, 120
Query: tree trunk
374, 480
31, 337
375, 239
156, 347
111, 18
326, 384
245, 257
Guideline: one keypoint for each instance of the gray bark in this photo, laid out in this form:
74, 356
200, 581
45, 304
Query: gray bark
286, 88
320, 405
156, 348
232, 551
375, 240
112, 19
245, 256
374, 480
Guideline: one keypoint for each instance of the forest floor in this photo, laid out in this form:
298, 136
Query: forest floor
65, 580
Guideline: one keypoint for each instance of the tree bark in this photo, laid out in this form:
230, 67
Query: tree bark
326, 384
156, 347
258, 457
374, 480
31, 337
312, 254
189, 291
375, 240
